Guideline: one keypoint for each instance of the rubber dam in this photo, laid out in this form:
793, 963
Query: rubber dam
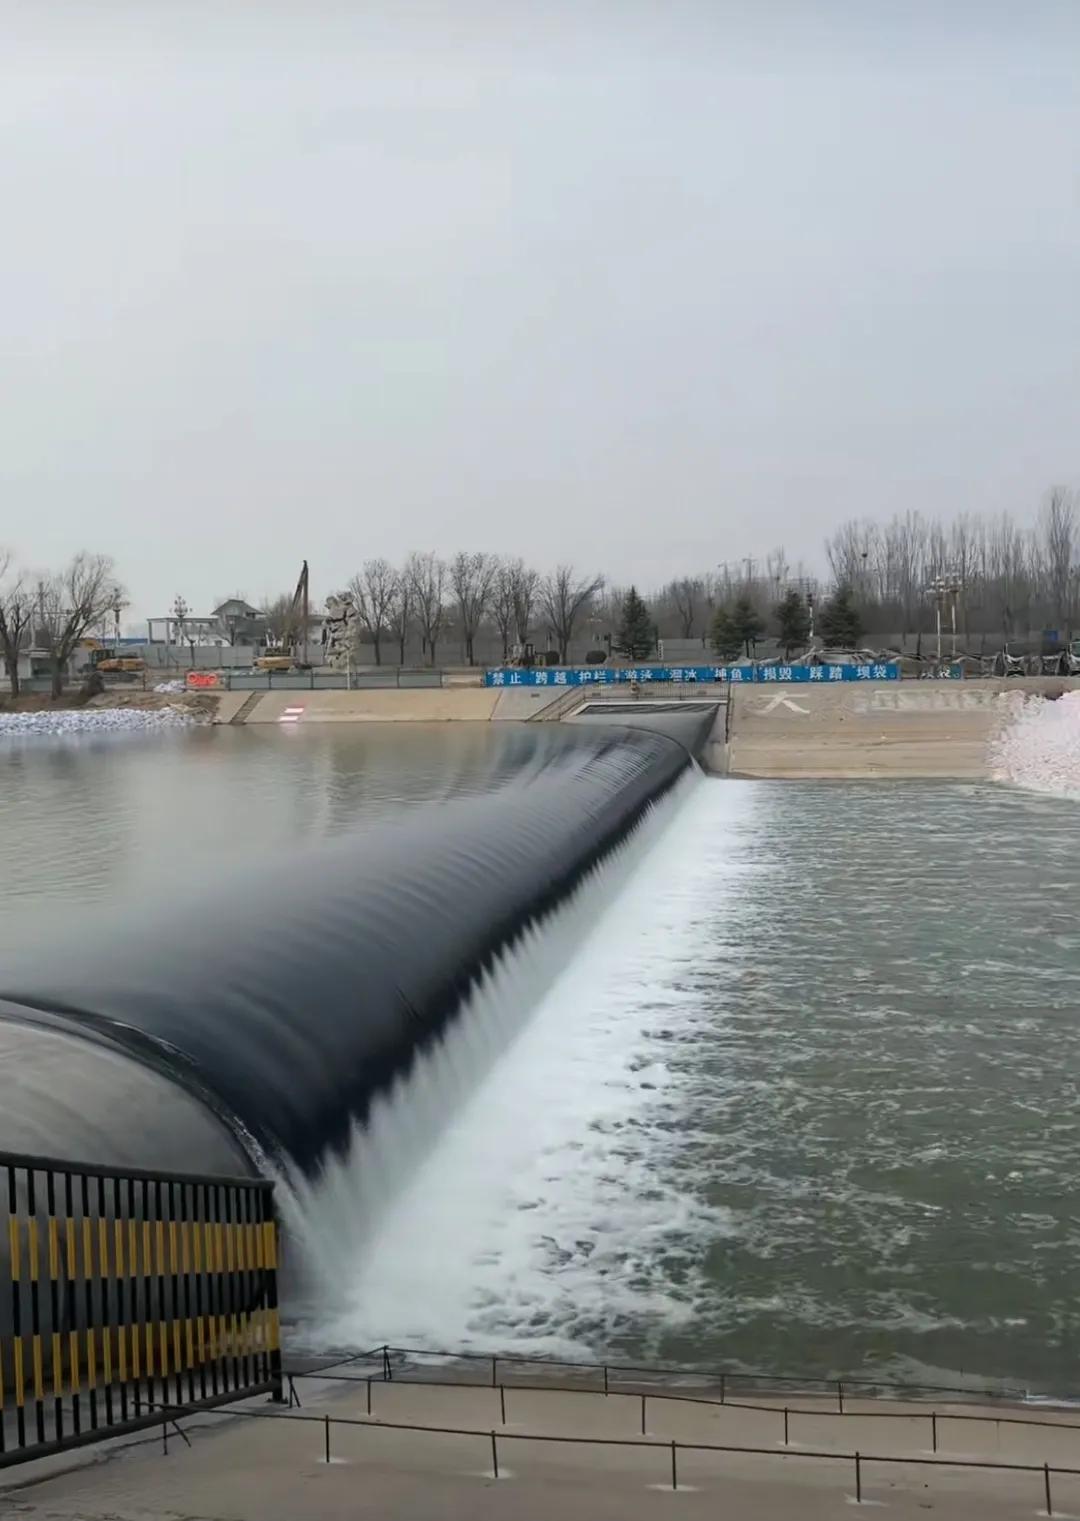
253, 1028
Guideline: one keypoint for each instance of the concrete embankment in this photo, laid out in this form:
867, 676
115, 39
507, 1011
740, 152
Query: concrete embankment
843, 730
456, 704
875, 729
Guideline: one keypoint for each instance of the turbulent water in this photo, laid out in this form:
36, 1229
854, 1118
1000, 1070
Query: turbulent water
797, 1083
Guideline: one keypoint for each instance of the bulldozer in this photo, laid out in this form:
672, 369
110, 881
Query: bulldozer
109, 662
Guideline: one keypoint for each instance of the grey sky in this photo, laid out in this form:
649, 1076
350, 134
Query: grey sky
645, 286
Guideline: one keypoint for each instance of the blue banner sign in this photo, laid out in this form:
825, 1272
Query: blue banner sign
603, 675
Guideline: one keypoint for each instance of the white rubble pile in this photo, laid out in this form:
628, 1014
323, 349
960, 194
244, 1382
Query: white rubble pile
171, 688
93, 721
1038, 745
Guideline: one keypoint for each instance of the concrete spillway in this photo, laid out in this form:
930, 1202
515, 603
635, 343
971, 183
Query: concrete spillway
259, 1022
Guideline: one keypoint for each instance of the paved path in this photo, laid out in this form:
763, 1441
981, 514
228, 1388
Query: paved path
270, 1469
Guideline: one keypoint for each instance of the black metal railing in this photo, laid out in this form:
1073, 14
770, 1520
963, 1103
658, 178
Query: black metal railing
493, 1368
127, 1296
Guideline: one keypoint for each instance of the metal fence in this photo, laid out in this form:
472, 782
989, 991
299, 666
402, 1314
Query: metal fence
493, 1438
386, 679
609, 1377
127, 1294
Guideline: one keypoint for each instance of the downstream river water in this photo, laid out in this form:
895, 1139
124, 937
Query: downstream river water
799, 1090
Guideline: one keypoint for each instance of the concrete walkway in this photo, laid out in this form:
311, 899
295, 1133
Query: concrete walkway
273, 1468
918, 729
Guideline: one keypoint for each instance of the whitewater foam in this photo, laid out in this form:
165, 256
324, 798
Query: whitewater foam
525, 1201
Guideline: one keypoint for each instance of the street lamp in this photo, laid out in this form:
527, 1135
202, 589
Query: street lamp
942, 587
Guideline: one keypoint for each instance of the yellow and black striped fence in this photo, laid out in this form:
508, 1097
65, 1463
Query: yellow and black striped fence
129, 1296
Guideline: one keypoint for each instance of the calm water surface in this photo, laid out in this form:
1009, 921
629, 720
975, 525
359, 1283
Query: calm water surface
844, 1035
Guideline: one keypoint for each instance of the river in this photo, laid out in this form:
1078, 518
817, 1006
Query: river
798, 1087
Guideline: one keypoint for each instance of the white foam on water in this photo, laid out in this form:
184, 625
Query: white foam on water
523, 1201
1038, 746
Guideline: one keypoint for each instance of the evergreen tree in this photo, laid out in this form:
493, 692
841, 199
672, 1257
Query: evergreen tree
635, 639
793, 616
840, 622
726, 639
747, 623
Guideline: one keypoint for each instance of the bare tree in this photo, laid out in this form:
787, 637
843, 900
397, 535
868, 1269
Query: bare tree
399, 615
686, 596
16, 617
525, 582
777, 571
471, 576
69, 604
284, 621
373, 593
906, 541
564, 596
1058, 553
426, 576
230, 622
851, 552
502, 603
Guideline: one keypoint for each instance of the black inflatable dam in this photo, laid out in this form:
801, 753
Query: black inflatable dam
257, 1024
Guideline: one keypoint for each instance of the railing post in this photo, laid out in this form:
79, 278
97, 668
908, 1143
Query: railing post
326, 1428
605, 1379
269, 1217
369, 1396
502, 1402
933, 1430
840, 1394
643, 1415
387, 1371
785, 1426
1046, 1480
674, 1469
494, 1374
858, 1479
723, 1387
494, 1456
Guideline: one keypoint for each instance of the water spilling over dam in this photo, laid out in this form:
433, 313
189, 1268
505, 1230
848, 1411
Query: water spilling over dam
784, 1075
283, 1013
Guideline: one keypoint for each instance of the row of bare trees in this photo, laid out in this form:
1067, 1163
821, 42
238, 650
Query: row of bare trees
54, 610
473, 590
1009, 578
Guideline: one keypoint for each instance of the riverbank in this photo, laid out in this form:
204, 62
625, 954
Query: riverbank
841, 731
75, 714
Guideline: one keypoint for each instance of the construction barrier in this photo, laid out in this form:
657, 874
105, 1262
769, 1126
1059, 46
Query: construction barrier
129, 1297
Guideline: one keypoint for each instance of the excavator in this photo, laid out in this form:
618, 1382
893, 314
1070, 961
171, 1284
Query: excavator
293, 651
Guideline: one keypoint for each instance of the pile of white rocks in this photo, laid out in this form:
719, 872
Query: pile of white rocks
1038, 745
92, 721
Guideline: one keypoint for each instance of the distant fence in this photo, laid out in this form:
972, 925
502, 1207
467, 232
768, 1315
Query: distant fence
706, 675
389, 678
128, 1297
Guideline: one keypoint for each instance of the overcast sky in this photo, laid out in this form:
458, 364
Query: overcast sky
645, 286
